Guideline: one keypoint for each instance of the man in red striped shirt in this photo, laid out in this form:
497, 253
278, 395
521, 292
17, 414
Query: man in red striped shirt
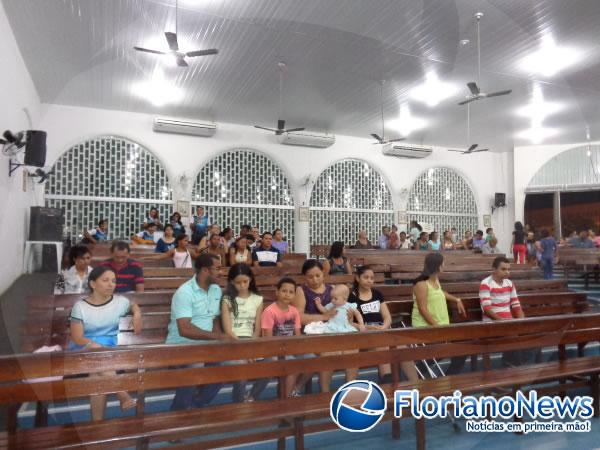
499, 301
498, 295
129, 273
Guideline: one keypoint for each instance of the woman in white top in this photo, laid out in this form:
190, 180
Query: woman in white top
182, 256
239, 253
75, 279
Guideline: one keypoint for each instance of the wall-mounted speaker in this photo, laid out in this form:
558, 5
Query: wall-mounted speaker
499, 199
35, 148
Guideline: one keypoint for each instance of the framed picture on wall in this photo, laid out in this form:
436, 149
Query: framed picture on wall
487, 221
401, 218
183, 208
303, 214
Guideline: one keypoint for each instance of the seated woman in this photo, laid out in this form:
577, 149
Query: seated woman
434, 241
95, 324
336, 263
240, 253
423, 241
153, 217
74, 280
175, 222
393, 240
278, 242
430, 307
447, 243
167, 242
306, 302
376, 316
182, 256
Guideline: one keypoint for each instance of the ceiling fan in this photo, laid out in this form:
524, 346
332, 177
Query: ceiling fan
174, 47
381, 139
476, 93
473, 148
280, 122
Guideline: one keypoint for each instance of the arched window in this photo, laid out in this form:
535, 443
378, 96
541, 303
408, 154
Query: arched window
108, 177
242, 186
570, 170
442, 198
349, 196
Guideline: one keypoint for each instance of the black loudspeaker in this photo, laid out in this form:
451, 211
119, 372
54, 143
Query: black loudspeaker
499, 199
35, 148
45, 224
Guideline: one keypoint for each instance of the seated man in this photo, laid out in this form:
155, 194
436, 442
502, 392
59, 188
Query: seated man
195, 319
99, 234
491, 247
478, 240
149, 236
382, 241
129, 273
582, 241
265, 255
214, 248
499, 301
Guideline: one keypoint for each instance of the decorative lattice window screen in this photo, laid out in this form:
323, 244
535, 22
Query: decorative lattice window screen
349, 196
442, 198
108, 177
242, 186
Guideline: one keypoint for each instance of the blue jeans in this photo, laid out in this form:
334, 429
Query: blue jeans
548, 266
189, 397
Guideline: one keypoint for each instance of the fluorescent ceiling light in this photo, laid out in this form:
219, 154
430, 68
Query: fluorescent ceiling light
158, 90
433, 91
537, 134
406, 123
539, 109
550, 58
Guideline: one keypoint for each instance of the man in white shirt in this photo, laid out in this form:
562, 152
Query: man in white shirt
265, 255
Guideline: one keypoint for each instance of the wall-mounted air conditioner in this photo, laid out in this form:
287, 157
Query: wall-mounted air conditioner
163, 125
307, 139
405, 151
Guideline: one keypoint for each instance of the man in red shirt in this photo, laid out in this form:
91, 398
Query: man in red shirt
129, 273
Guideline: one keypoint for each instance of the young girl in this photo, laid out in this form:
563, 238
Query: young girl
434, 243
175, 222
239, 253
95, 324
447, 244
283, 319
241, 309
423, 242
182, 256
167, 242
376, 315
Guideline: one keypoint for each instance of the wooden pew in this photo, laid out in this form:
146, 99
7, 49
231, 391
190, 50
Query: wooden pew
46, 318
584, 262
152, 369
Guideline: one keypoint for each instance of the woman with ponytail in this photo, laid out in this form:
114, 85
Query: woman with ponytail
430, 306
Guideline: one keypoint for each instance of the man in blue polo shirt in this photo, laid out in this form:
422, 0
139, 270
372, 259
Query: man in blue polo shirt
195, 318
266, 255
129, 273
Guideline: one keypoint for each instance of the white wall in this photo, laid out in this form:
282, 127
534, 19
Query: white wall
18, 92
486, 172
527, 161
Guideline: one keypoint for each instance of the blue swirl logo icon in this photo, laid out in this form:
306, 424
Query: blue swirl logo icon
358, 406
